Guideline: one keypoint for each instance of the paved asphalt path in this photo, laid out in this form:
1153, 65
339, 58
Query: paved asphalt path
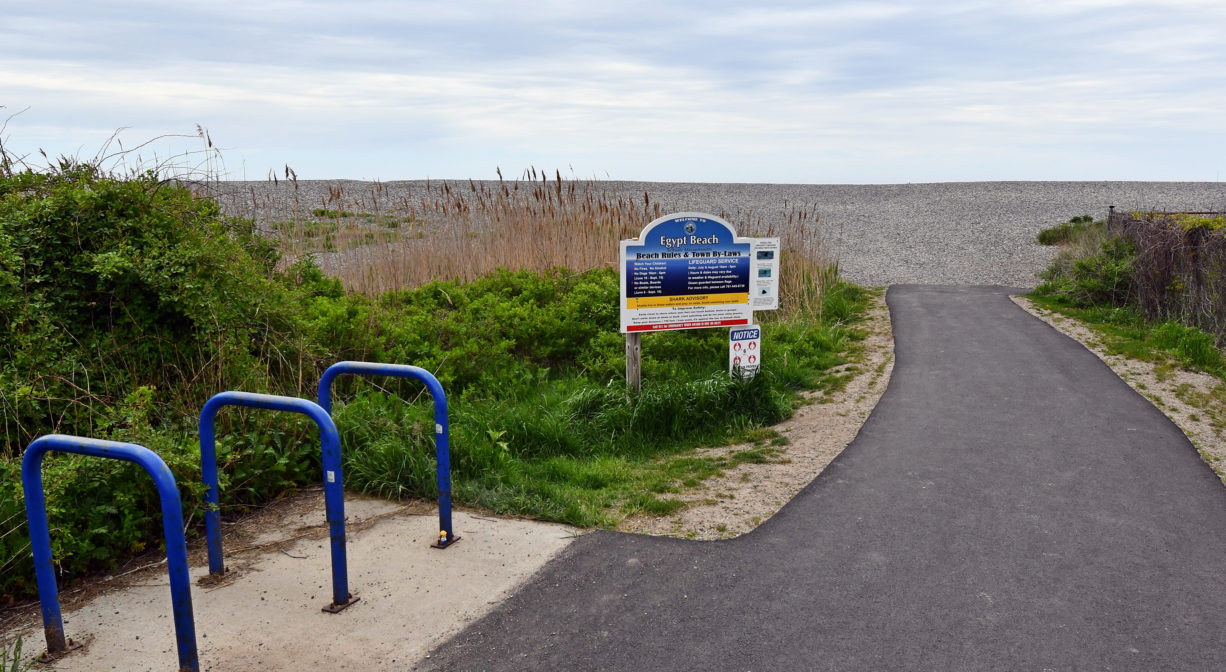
1009, 505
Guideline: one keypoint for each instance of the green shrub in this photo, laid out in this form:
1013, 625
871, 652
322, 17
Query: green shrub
1100, 278
1105, 277
125, 305
475, 337
1066, 231
116, 294
1132, 288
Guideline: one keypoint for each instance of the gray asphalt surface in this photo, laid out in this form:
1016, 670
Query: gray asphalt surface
1010, 505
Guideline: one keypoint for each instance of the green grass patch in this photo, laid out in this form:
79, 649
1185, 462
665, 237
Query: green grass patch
1211, 403
649, 504
1124, 331
556, 437
332, 217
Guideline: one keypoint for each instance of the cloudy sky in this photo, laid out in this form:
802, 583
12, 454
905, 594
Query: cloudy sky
818, 92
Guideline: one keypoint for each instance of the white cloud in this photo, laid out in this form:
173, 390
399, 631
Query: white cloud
704, 91
763, 21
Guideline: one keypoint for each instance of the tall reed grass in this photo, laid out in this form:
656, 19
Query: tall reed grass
381, 236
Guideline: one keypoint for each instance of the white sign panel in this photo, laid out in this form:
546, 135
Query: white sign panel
685, 271
764, 274
745, 351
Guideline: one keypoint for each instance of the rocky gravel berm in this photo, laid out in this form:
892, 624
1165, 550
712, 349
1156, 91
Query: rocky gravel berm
962, 233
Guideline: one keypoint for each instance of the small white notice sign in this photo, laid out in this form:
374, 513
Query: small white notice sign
764, 274
744, 351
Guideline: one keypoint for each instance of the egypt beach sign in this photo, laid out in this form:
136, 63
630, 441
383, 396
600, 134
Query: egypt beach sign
685, 271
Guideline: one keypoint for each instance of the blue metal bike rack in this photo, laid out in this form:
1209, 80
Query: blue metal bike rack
442, 447
334, 494
172, 524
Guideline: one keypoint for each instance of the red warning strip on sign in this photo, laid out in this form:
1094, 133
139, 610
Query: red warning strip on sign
686, 325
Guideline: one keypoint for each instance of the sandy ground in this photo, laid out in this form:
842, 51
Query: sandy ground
268, 616
744, 496
1195, 402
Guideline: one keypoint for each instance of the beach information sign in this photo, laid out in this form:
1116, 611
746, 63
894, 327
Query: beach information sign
685, 271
